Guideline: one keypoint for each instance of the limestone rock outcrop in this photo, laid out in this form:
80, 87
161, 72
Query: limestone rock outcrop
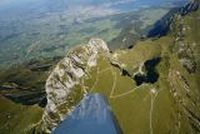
62, 82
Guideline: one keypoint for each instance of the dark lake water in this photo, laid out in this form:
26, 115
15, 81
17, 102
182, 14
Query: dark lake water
151, 75
92, 116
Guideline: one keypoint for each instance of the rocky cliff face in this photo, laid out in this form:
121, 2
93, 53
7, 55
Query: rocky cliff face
162, 27
193, 5
64, 86
182, 47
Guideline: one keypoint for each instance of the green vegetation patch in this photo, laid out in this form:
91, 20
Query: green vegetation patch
18, 119
131, 59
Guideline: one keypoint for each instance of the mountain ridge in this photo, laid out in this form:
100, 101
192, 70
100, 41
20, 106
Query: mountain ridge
125, 65
151, 88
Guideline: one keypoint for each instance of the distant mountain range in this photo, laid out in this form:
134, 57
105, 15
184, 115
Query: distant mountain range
30, 29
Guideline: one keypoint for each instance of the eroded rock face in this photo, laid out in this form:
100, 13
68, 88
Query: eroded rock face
182, 47
193, 5
62, 82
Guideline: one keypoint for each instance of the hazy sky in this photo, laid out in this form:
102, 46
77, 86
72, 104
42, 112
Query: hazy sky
69, 2
89, 7
105, 3
79, 7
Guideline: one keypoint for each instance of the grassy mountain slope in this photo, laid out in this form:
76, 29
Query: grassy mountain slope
168, 103
171, 105
18, 119
167, 68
